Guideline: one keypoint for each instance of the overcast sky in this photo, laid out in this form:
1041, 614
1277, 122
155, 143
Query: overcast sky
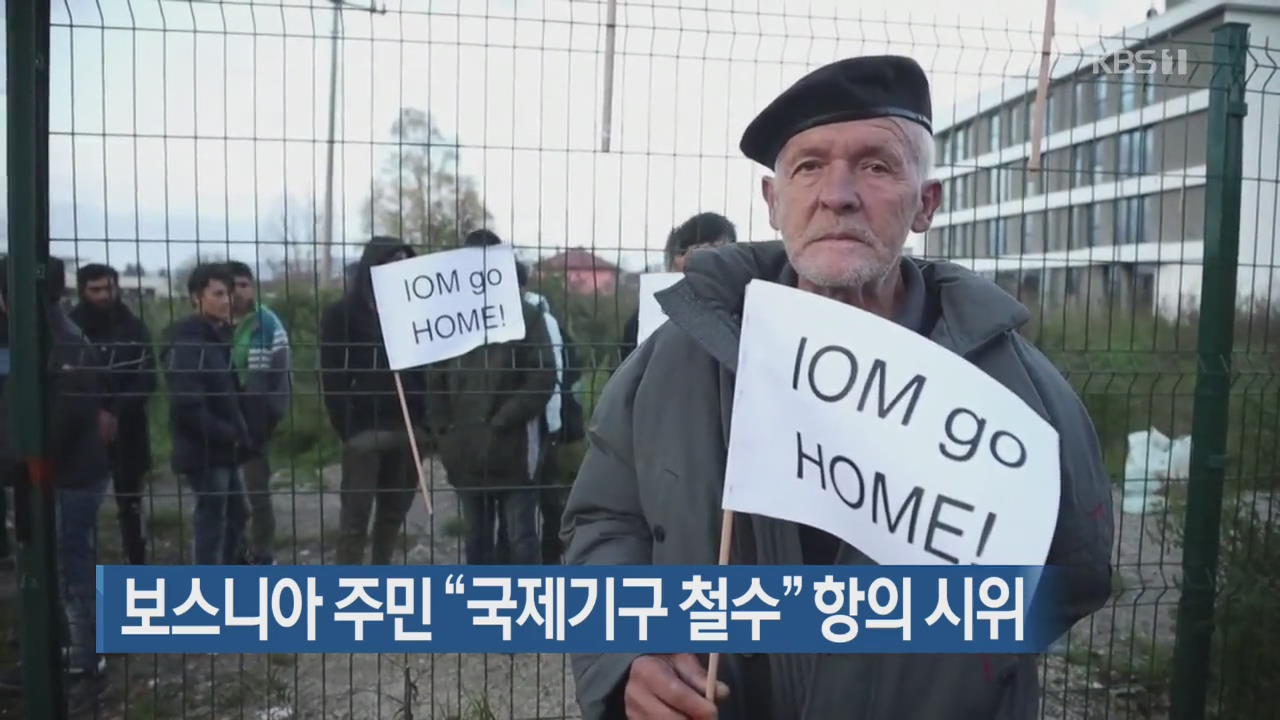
173, 122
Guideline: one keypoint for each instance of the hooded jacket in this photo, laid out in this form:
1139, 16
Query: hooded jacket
359, 387
124, 347
650, 486
76, 390
204, 399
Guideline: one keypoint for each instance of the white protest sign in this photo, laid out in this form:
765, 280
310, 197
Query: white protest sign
860, 427
651, 314
442, 305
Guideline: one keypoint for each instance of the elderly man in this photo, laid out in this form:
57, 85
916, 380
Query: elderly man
849, 148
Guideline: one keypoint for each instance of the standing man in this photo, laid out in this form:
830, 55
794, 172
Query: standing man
78, 446
124, 346
849, 146
260, 357
486, 408
562, 423
209, 432
700, 232
360, 396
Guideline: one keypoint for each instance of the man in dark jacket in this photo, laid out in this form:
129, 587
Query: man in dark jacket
360, 397
702, 231
849, 146
124, 346
209, 431
77, 444
486, 408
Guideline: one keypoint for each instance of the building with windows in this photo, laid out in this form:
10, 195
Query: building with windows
1116, 214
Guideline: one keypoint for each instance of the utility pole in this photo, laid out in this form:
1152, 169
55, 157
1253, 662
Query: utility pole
326, 232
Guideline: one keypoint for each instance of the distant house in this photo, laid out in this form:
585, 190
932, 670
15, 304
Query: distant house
585, 273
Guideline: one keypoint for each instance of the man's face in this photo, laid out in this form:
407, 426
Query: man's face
244, 294
99, 293
678, 262
214, 302
845, 196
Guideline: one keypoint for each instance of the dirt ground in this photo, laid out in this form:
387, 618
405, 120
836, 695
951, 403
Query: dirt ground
1114, 665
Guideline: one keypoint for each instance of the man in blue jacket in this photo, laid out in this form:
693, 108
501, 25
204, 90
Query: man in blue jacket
209, 431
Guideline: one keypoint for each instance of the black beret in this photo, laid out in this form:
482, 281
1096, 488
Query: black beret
853, 89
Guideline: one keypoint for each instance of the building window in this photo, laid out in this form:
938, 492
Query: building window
1129, 154
1080, 103
1016, 128
1131, 226
1103, 150
1151, 218
1050, 109
1149, 88
1000, 237
1150, 136
993, 131
1081, 225
1100, 97
1136, 155
1082, 164
993, 178
1129, 91
1033, 232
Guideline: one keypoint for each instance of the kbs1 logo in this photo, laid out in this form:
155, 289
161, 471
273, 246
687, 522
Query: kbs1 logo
1143, 62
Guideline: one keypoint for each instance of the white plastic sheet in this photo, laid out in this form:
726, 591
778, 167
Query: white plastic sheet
1153, 460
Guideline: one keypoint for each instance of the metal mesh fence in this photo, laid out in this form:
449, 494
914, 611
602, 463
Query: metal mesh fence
284, 134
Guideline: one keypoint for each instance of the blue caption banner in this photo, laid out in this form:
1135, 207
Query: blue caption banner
596, 609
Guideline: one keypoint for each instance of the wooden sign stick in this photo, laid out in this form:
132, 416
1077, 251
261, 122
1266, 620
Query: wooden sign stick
713, 662
1042, 90
413, 444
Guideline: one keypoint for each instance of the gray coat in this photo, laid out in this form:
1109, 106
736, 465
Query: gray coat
650, 486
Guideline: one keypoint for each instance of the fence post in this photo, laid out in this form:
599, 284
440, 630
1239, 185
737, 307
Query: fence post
1192, 649
27, 30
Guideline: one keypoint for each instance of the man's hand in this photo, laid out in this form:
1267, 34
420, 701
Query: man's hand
108, 427
669, 686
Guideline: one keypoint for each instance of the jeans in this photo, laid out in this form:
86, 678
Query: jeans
378, 477
257, 481
516, 510
77, 523
220, 516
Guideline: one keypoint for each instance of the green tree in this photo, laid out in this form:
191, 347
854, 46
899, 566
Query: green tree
419, 194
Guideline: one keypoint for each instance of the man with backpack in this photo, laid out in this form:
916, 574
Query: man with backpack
484, 407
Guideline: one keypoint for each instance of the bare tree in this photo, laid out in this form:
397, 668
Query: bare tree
419, 195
